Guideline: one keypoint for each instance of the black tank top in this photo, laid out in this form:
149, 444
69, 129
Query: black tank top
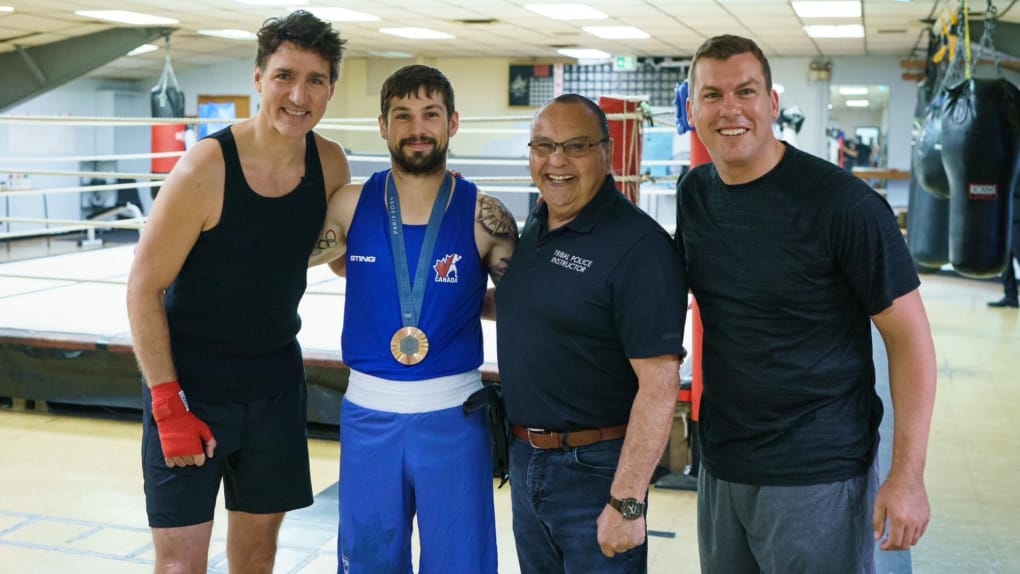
232, 309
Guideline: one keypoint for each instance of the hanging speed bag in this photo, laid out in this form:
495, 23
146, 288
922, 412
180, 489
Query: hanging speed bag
927, 229
980, 143
927, 156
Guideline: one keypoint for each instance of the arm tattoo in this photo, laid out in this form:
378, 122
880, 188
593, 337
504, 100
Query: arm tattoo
327, 241
497, 271
496, 219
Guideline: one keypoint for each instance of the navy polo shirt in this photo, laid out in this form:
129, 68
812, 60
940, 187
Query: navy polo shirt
577, 303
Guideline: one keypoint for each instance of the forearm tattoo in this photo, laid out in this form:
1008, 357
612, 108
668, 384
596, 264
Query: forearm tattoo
496, 219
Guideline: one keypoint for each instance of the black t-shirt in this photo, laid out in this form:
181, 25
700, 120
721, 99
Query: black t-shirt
576, 304
863, 155
787, 271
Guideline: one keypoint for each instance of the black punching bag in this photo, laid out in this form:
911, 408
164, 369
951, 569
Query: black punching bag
166, 98
927, 229
980, 143
927, 156
167, 101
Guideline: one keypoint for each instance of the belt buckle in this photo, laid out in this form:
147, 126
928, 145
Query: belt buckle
536, 431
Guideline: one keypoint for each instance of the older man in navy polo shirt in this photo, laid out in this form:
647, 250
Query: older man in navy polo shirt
591, 320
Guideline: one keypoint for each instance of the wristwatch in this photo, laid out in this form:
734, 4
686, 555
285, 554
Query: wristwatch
630, 508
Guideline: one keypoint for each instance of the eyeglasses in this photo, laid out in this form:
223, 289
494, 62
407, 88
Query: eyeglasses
573, 148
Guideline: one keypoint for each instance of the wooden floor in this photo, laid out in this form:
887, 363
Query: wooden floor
72, 497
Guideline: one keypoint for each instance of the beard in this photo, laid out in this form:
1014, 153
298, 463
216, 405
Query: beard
418, 163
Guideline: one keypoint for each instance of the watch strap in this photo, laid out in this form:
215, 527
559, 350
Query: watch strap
625, 506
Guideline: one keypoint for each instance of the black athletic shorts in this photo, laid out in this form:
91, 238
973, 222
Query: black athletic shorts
261, 457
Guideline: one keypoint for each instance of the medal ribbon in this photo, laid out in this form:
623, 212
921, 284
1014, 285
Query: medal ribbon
411, 298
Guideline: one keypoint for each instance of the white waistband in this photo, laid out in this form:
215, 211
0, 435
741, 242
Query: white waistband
407, 397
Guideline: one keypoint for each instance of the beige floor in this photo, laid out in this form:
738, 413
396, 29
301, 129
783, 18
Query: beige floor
71, 498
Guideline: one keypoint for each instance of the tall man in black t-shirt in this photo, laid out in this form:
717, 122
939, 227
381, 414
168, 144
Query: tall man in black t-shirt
791, 259
590, 339
212, 300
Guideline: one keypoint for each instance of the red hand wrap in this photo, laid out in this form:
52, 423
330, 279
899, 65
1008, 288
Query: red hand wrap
180, 432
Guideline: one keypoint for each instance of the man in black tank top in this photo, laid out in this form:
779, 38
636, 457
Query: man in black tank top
212, 300
791, 260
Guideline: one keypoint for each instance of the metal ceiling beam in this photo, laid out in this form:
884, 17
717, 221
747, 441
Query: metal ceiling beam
31, 71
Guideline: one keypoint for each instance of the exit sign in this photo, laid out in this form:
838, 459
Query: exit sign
624, 63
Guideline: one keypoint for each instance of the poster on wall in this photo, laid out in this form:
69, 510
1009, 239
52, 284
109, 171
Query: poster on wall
520, 85
531, 85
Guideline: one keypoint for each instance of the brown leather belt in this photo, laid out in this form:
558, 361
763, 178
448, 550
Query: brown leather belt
539, 438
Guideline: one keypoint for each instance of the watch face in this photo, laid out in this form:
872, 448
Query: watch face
631, 508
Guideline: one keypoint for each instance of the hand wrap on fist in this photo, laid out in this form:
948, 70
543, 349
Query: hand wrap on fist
180, 432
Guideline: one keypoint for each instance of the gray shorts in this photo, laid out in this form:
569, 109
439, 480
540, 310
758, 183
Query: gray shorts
750, 529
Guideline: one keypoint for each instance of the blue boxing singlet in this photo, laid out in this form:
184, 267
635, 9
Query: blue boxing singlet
450, 313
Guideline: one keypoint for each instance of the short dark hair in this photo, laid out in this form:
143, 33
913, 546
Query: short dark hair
599, 113
408, 80
726, 46
307, 32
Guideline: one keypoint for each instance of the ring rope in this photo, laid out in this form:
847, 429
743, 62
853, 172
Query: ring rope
350, 158
79, 173
485, 182
114, 157
148, 121
38, 232
490, 184
118, 223
78, 189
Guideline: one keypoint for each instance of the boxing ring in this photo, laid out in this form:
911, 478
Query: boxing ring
64, 332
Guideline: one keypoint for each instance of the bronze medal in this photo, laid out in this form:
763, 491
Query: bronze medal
409, 345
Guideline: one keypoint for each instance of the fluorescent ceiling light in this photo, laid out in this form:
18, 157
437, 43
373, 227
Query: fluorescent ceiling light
126, 17
837, 9
857, 103
567, 11
391, 54
335, 14
853, 90
274, 2
143, 49
417, 33
6, 9
616, 32
229, 34
584, 53
845, 31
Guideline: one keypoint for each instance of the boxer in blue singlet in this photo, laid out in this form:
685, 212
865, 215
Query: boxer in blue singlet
413, 340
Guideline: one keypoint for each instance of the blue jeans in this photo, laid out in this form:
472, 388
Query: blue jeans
557, 496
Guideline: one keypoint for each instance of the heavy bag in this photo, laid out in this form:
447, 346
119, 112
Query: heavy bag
166, 97
167, 101
927, 156
980, 144
166, 138
927, 229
